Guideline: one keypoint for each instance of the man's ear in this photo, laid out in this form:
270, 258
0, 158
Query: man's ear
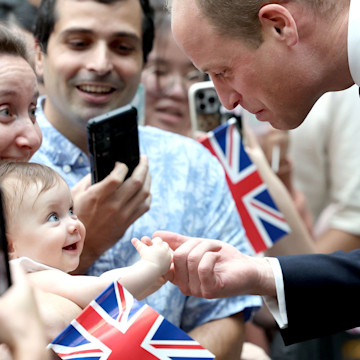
278, 21
39, 58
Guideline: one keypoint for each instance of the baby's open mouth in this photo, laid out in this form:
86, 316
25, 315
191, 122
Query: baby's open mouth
70, 247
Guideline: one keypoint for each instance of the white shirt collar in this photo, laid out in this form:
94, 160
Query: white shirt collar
354, 40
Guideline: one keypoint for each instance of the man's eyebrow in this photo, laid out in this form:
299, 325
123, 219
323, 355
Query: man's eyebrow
76, 30
118, 34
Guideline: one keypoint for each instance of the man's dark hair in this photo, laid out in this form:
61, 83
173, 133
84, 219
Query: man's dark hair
18, 12
11, 44
46, 19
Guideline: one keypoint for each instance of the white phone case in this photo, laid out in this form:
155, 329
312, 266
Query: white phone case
204, 106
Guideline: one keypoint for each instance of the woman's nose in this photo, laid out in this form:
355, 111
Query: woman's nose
29, 138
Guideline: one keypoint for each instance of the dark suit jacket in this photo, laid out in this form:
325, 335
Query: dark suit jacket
322, 294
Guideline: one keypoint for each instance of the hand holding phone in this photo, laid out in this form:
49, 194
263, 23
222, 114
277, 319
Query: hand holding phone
5, 279
113, 137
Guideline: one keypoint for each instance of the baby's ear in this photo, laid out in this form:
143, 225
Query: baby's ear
11, 248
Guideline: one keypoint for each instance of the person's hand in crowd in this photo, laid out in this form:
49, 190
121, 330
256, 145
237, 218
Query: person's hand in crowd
212, 268
109, 207
20, 326
251, 351
275, 146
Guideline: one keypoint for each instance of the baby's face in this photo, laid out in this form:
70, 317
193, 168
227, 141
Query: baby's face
46, 230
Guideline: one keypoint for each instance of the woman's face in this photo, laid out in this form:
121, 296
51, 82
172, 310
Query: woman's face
20, 135
166, 79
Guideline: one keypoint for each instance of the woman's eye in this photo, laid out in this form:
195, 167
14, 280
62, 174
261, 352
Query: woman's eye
53, 218
5, 111
160, 72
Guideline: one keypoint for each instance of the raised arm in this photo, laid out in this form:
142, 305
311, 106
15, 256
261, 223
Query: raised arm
148, 274
140, 279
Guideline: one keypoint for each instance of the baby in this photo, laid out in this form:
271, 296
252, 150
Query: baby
47, 238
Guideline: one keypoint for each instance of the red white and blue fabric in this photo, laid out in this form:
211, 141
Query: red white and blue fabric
263, 222
117, 326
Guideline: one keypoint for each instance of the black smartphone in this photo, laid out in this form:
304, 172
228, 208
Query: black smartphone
113, 137
204, 105
5, 278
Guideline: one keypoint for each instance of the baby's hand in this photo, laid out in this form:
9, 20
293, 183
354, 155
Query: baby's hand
155, 251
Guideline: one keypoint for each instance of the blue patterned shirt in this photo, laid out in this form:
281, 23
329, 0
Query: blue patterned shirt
189, 196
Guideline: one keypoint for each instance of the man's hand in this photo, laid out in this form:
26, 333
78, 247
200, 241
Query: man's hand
109, 207
212, 268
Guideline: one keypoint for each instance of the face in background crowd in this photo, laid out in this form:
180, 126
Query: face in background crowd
166, 79
92, 63
20, 135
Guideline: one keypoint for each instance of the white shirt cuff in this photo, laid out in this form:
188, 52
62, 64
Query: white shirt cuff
277, 306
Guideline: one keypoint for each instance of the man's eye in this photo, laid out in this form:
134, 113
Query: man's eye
122, 47
77, 44
53, 217
219, 74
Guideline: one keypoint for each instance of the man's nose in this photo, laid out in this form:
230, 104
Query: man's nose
228, 96
100, 59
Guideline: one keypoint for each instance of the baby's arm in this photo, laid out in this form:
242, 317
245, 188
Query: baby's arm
147, 275
140, 279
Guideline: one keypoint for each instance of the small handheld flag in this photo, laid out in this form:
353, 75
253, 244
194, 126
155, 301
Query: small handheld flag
117, 326
264, 224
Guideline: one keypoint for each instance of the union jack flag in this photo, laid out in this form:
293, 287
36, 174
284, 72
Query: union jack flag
117, 326
264, 224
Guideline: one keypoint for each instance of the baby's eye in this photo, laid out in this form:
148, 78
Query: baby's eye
71, 212
32, 112
53, 217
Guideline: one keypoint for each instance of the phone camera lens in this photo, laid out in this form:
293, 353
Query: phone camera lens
201, 95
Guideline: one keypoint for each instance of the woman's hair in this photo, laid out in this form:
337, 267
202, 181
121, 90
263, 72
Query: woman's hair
12, 44
17, 177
